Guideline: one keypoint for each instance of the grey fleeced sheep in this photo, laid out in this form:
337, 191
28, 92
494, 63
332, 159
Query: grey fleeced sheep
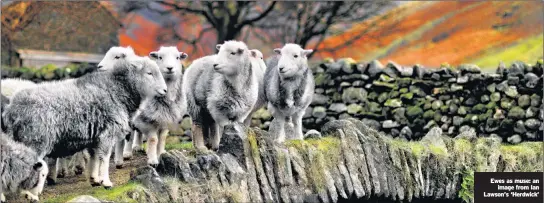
289, 88
157, 113
21, 170
220, 89
92, 112
257, 61
11, 86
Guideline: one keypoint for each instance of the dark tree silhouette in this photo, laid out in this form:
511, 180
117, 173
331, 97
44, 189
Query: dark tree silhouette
309, 23
227, 18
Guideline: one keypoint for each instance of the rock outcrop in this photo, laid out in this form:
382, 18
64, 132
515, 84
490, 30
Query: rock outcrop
350, 162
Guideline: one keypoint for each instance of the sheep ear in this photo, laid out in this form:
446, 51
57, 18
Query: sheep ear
154, 54
37, 165
183, 55
136, 66
218, 46
253, 53
307, 52
277, 50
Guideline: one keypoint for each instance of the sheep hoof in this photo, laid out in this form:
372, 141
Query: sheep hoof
127, 157
79, 170
94, 184
61, 174
51, 181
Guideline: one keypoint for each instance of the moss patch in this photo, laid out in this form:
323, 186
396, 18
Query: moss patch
116, 194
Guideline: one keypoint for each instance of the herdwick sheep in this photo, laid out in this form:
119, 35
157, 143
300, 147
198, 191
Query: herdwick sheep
21, 170
92, 112
257, 60
157, 113
9, 87
220, 89
289, 88
115, 54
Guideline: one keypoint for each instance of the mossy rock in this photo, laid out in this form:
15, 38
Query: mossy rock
372, 95
462, 110
354, 108
393, 103
479, 108
506, 103
516, 113
384, 84
407, 96
495, 97
321, 79
414, 111
394, 94
383, 97
491, 105
428, 114
404, 82
374, 107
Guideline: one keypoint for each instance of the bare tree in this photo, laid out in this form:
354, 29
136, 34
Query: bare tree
15, 17
226, 18
309, 23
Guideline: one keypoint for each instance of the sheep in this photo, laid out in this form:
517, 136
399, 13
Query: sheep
220, 89
21, 170
257, 59
113, 55
157, 113
90, 112
10, 87
289, 88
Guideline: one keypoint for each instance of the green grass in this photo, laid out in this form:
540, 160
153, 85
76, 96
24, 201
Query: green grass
116, 194
527, 50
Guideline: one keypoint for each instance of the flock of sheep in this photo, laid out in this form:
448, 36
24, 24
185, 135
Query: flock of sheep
131, 98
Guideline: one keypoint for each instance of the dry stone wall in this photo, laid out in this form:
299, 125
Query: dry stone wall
407, 102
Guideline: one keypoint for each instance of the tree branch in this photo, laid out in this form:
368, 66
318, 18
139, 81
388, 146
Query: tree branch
261, 16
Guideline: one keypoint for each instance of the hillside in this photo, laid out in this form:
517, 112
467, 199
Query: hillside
432, 33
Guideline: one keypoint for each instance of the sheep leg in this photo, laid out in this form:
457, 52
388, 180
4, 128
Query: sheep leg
93, 168
162, 141
297, 121
138, 141
63, 162
29, 196
198, 136
82, 158
127, 151
215, 135
2, 197
277, 127
105, 167
118, 156
152, 148
52, 163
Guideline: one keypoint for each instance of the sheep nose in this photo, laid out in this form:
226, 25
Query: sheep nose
169, 68
281, 69
162, 92
100, 66
215, 65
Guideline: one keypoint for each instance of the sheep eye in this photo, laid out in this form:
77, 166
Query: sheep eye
150, 73
296, 56
117, 57
177, 58
261, 57
160, 57
233, 53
